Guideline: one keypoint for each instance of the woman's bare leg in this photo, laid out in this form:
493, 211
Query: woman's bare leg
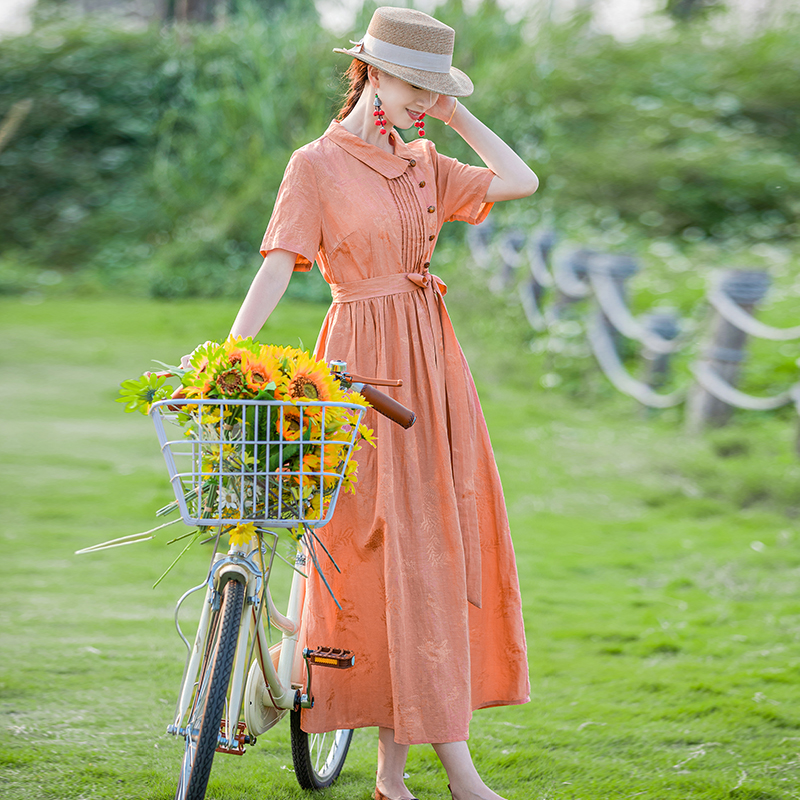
465, 783
391, 766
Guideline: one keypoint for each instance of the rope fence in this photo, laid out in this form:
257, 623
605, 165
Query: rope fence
548, 283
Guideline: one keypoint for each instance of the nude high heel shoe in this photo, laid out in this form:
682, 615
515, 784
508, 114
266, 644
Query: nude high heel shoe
379, 795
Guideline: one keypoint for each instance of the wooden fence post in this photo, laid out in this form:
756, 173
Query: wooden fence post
664, 323
196, 10
725, 348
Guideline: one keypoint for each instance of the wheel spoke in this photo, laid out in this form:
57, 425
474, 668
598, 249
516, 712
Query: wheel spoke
320, 745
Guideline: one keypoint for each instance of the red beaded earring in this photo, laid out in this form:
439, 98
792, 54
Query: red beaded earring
379, 113
420, 123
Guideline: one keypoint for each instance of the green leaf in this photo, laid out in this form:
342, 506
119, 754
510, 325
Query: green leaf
267, 393
177, 371
289, 451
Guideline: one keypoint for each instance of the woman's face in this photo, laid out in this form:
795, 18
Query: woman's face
402, 102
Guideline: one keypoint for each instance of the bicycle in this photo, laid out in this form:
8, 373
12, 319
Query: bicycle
235, 684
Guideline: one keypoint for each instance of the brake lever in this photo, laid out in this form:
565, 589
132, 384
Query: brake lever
351, 377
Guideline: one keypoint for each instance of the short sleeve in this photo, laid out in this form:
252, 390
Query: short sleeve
461, 189
296, 222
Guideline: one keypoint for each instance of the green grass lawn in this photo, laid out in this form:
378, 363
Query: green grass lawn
660, 579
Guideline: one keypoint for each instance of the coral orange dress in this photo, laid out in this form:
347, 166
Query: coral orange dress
428, 584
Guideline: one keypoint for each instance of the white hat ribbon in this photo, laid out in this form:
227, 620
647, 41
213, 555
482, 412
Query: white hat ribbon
403, 56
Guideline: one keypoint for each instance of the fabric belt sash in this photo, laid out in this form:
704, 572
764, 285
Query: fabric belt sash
458, 371
385, 285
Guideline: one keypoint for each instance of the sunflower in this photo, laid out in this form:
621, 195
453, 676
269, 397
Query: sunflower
236, 348
259, 371
334, 456
286, 352
200, 363
310, 381
200, 381
290, 427
199, 387
276, 351
231, 383
312, 466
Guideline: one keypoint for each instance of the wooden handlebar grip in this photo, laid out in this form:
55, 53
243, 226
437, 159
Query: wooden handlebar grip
387, 406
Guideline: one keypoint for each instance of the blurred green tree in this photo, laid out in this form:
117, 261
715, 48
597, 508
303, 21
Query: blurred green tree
151, 158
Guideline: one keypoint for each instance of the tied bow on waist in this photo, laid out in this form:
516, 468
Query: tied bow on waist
385, 285
426, 279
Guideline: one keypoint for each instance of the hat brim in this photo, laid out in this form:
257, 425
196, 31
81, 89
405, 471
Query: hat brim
454, 83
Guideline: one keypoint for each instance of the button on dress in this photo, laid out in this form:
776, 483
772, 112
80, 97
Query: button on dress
428, 584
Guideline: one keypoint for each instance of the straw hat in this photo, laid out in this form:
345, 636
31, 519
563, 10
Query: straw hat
413, 47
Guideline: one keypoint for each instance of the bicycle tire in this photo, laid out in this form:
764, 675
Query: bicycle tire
316, 767
208, 706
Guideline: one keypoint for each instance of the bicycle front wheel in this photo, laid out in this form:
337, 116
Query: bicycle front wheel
318, 757
202, 727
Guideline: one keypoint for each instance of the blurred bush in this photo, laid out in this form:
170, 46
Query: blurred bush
150, 159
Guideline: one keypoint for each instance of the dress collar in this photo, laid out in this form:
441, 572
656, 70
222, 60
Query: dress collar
387, 164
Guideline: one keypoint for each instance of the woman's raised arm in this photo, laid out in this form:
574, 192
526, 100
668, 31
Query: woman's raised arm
513, 178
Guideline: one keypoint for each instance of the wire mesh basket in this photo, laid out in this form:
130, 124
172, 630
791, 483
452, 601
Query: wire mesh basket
268, 462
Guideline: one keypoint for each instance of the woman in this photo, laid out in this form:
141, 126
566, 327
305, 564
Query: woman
428, 588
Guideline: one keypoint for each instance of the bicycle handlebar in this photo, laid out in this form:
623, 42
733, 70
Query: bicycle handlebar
381, 402
386, 405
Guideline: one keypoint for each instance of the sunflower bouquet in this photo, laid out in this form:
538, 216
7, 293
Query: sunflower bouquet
267, 435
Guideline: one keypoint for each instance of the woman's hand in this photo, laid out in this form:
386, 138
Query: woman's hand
185, 359
443, 108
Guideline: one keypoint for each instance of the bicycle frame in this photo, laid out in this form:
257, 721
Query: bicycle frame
283, 684
270, 473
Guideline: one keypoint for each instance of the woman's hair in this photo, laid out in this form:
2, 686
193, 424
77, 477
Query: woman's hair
356, 76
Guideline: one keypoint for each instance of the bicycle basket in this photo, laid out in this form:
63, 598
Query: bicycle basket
268, 462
